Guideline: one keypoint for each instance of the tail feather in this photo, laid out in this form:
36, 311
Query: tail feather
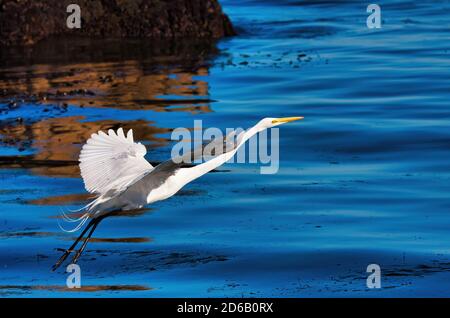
83, 220
68, 218
80, 219
89, 209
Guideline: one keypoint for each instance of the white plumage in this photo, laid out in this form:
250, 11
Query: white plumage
112, 161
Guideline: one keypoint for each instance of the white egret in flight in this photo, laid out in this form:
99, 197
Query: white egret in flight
114, 168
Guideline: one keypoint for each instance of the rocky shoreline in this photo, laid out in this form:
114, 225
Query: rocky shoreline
28, 22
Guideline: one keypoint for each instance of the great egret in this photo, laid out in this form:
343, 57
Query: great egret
114, 168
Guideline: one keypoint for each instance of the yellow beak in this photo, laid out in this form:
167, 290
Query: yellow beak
285, 120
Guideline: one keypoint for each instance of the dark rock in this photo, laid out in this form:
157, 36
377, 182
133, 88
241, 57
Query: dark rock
27, 22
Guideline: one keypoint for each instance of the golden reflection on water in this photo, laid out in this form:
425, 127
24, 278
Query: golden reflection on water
63, 199
98, 75
125, 85
60, 140
122, 74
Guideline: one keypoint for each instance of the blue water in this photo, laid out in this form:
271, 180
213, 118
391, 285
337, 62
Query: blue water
363, 179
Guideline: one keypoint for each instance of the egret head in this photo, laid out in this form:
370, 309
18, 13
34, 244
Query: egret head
272, 122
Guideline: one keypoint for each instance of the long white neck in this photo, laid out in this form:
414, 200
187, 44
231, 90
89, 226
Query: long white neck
186, 175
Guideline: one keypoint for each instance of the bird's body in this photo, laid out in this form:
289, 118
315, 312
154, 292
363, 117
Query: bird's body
151, 184
113, 167
157, 184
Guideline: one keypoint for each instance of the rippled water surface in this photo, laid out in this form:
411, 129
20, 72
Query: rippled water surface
363, 179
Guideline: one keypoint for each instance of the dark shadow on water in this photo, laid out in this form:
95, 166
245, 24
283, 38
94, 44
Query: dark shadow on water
65, 50
119, 240
140, 261
11, 289
19, 234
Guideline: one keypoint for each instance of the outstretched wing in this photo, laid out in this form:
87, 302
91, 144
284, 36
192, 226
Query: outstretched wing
112, 161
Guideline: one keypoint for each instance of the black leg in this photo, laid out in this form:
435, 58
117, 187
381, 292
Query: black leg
70, 249
86, 240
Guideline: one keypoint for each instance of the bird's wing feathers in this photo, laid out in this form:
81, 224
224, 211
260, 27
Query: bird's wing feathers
112, 161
